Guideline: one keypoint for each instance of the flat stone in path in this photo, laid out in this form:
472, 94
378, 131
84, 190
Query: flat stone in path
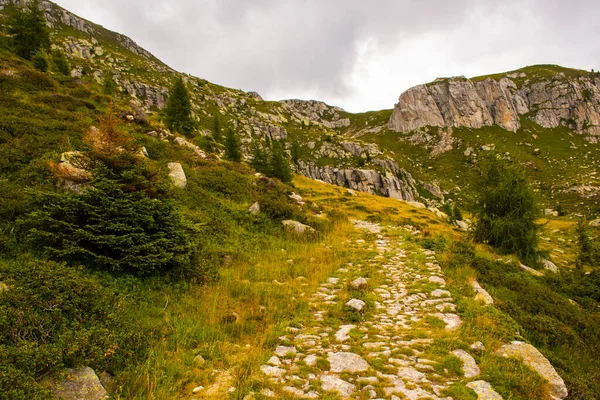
484, 390
331, 383
282, 351
346, 362
343, 334
452, 321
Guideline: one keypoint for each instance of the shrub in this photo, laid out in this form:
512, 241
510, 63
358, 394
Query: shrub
279, 166
60, 63
506, 213
40, 61
53, 316
589, 250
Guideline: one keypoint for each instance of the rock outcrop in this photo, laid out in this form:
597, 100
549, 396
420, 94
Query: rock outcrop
535, 360
399, 185
177, 175
459, 102
316, 113
80, 384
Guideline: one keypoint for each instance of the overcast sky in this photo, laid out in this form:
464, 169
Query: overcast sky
356, 54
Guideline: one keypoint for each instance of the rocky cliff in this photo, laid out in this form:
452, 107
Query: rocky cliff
550, 100
399, 185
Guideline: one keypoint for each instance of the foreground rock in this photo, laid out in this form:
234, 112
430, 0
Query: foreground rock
531, 357
481, 294
80, 384
470, 367
331, 383
177, 175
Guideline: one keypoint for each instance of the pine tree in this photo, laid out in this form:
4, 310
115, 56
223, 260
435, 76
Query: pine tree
260, 158
506, 213
233, 147
217, 128
295, 152
178, 113
60, 63
279, 165
29, 31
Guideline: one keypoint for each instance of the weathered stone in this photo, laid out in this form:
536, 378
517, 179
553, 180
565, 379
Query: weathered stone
441, 293
550, 266
343, 333
80, 384
356, 304
274, 361
410, 374
531, 357
477, 346
594, 223
530, 270
282, 351
437, 279
297, 198
484, 390
331, 383
254, 208
198, 361
452, 321
310, 360
346, 362
481, 294
470, 367
177, 175
272, 371
182, 142
359, 283
298, 227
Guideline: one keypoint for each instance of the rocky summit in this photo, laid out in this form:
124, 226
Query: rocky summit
553, 100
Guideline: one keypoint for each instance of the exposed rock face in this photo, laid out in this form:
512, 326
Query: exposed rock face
80, 384
531, 356
460, 102
150, 95
399, 185
347, 362
316, 113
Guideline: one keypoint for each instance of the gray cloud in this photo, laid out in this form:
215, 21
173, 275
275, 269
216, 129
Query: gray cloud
315, 48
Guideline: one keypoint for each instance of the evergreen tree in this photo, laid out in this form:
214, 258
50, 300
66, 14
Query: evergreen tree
178, 113
109, 87
295, 152
260, 158
29, 31
60, 63
233, 146
506, 213
126, 223
279, 165
217, 128
40, 61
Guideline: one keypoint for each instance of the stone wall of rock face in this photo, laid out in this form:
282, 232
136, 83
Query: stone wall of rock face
398, 185
460, 102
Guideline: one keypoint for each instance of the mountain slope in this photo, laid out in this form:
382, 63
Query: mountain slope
259, 286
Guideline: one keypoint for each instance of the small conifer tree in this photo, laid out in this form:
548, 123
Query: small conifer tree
506, 212
260, 158
295, 152
233, 146
178, 113
279, 165
60, 63
40, 61
217, 128
29, 31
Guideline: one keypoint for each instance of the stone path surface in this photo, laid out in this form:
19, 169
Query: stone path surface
382, 352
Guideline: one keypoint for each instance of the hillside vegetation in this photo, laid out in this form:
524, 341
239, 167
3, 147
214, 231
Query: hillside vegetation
159, 257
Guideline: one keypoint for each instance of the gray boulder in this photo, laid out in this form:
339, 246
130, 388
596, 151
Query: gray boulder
177, 175
297, 227
80, 384
535, 360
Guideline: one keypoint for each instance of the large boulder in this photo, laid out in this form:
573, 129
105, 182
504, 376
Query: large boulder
80, 384
535, 360
177, 175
